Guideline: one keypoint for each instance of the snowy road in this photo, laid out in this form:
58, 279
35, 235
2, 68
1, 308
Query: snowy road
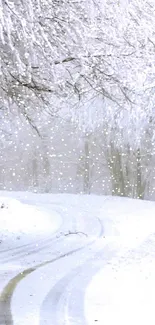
64, 276
46, 260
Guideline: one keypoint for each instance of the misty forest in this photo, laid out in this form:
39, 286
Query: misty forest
77, 96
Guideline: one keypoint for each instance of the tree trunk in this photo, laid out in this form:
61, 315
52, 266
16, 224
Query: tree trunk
86, 176
140, 183
35, 172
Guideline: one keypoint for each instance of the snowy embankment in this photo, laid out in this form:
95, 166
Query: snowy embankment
19, 221
128, 222
123, 289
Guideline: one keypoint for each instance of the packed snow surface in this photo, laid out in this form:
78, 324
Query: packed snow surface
101, 264
122, 291
18, 219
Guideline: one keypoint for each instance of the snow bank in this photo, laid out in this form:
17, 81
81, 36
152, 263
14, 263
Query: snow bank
126, 221
18, 219
122, 294
122, 291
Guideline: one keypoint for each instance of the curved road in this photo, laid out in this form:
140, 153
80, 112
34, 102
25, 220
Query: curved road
56, 269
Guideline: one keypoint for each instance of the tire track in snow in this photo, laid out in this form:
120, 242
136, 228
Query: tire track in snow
6, 295
66, 299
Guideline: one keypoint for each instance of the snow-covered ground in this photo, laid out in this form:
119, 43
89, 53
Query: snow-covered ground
122, 291
98, 266
24, 230
19, 221
16, 217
